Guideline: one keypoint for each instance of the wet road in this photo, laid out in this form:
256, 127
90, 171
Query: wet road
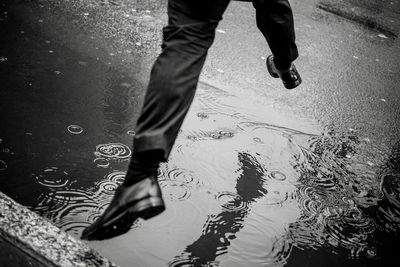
259, 176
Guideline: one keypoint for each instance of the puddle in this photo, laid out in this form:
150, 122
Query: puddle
248, 199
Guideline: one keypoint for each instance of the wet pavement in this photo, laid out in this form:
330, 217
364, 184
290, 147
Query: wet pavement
258, 176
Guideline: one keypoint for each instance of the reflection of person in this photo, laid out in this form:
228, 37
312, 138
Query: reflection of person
220, 229
174, 77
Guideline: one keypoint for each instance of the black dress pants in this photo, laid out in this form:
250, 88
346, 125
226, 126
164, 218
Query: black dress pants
186, 39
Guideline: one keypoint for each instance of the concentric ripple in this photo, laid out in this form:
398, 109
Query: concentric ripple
184, 177
307, 200
277, 175
175, 191
101, 162
106, 187
73, 209
131, 133
110, 184
75, 129
113, 151
351, 231
53, 178
230, 201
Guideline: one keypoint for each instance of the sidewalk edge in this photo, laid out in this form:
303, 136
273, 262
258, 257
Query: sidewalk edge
41, 239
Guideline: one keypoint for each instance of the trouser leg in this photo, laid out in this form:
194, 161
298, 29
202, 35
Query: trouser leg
175, 73
275, 21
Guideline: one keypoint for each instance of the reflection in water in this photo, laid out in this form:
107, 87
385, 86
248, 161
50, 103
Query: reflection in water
386, 213
336, 206
220, 229
230, 201
329, 213
175, 191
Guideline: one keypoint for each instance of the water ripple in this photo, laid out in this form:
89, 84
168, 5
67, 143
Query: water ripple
52, 178
176, 218
101, 162
351, 232
185, 259
230, 201
390, 187
73, 209
184, 176
175, 191
75, 129
113, 150
278, 175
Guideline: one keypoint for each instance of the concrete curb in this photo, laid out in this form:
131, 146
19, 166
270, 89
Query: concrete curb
42, 240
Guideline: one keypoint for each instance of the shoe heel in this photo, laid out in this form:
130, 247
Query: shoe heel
150, 213
150, 207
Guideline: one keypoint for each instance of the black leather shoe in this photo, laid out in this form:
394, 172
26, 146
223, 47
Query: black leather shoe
290, 77
140, 200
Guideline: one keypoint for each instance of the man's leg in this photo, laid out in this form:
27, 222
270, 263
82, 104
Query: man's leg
173, 81
189, 34
275, 21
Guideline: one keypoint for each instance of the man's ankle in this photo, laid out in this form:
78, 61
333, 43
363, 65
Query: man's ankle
143, 165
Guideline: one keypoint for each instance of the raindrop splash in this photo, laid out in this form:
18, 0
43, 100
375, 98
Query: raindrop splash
53, 178
101, 162
75, 129
230, 201
175, 191
131, 133
113, 150
278, 176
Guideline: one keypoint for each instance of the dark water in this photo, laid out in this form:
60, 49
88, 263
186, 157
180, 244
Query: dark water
14, 257
245, 186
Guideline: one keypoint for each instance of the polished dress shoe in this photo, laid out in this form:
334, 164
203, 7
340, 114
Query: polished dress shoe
130, 202
290, 77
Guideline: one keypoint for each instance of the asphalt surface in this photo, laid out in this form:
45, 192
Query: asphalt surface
350, 71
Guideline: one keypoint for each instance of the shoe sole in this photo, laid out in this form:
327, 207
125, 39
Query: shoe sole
148, 208
293, 85
271, 72
145, 209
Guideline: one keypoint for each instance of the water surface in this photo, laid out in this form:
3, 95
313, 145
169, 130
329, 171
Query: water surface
245, 185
